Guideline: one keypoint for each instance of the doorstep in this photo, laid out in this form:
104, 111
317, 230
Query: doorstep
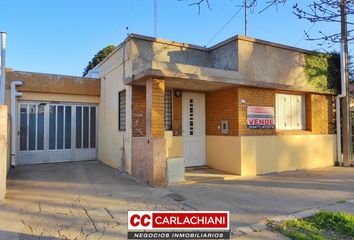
204, 174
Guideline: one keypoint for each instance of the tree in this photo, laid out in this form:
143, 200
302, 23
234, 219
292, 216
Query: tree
269, 3
318, 11
99, 57
326, 11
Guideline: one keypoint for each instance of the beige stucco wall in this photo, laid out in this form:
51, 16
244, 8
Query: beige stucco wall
174, 145
264, 63
53, 83
223, 153
239, 60
253, 155
114, 145
3, 150
65, 98
265, 154
143, 52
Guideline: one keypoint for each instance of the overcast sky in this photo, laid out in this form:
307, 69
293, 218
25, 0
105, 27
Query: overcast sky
61, 36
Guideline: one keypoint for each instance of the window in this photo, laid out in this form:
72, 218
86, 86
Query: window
168, 110
191, 117
290, 112
121, 110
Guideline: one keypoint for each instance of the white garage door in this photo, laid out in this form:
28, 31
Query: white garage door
56, 132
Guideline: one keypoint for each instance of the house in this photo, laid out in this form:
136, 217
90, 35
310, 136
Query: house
244, 106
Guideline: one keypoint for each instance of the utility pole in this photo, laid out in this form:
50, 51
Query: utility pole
245, 5
346, 114
155, 18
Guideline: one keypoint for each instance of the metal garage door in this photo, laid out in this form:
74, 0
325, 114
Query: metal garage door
56, 132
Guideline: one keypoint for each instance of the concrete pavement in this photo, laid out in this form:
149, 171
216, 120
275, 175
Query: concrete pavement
83, 200
251, 200
88, 200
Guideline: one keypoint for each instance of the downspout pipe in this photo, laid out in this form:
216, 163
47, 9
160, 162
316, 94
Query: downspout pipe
14, 95
2, 69
338, 109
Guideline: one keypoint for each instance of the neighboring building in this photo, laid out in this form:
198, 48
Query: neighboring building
56, 117
244, 106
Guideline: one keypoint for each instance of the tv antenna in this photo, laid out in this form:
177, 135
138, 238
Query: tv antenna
247, 6
155, 18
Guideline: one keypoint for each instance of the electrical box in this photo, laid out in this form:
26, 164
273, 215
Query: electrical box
175, 170
224, 126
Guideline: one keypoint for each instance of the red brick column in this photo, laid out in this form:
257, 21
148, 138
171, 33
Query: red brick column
155, 92
138, 111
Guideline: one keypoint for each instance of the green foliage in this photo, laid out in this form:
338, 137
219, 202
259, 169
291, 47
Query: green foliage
98, 58
323, 71
300, 230
325, 225
342, 223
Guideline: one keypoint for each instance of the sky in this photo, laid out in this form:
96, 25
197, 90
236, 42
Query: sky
62, 36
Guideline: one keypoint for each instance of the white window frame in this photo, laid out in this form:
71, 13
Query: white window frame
290, 111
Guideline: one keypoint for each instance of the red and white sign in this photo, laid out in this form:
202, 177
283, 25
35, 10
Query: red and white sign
260, 117
158, 220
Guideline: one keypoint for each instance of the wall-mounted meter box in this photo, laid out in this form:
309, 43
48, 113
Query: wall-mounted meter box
224, 127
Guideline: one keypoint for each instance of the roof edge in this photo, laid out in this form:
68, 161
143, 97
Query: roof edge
220, 44
169, 42
52, 74
206, 49
158, 73
273, 44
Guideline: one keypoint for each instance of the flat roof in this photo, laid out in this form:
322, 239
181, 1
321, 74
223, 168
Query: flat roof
207, 49
220, 44
46, 74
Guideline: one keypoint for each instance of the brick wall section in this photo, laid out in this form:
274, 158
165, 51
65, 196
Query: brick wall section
320, 114
157, 111
177, 115
308, 112
138, 111
253, 97
226, 105
221, 105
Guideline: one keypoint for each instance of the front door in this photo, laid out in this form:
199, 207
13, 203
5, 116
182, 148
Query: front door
56, 132
193, 126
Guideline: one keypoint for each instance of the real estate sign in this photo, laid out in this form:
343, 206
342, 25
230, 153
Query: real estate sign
178, 225
260, 117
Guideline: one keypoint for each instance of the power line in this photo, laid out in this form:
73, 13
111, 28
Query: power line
305, 34
223, 27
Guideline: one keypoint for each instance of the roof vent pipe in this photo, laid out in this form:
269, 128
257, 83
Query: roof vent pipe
2, 69
339, 96
14, 94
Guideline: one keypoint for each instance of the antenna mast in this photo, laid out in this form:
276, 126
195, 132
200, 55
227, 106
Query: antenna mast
155, 18
245, 3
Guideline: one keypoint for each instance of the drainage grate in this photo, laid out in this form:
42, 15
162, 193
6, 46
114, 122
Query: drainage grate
177, 197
